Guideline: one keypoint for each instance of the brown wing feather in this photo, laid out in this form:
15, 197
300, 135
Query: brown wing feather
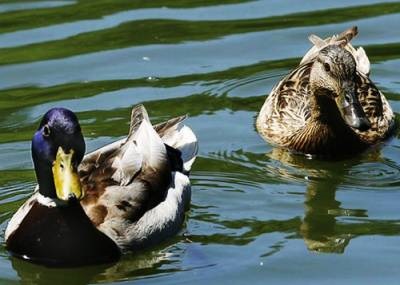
376, 108
105, 198
164, 127
96, 176
289, 101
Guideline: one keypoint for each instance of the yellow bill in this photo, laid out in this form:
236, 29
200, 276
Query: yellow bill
66, 179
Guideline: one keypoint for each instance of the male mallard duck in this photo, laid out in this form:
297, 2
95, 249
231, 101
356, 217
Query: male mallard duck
123, 196
327, 105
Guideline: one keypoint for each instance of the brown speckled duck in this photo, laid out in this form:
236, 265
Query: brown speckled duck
328, 105
123, 196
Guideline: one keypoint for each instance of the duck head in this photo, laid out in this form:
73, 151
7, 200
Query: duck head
332, 75
57, 149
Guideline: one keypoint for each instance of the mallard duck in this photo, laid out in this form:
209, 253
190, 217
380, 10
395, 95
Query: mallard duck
123, 196
328, 105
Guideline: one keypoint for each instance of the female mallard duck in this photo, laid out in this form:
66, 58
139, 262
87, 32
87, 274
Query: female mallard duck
123, 196
327, 105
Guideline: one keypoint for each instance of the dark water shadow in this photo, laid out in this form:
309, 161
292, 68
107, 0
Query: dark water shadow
30, 273
145, 264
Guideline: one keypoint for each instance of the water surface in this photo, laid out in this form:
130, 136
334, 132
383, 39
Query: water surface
259, 215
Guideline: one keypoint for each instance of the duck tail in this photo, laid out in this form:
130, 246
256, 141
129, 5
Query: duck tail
317, 41
138, 114
342, 40
362, 60
347, 35
179, 136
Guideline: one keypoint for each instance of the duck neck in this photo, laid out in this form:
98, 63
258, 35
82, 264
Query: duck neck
44, 176
325, 110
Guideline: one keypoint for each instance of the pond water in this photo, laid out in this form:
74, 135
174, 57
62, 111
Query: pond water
259, 215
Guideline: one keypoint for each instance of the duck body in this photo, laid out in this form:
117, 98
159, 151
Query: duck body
328, 105
124, 196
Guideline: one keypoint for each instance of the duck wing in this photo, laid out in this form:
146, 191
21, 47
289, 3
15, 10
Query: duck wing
289, 101
137, 188
181, 138
376, 108
178, 138
128, 177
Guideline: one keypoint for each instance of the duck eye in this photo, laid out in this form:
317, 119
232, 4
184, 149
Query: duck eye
46, 131
327, 67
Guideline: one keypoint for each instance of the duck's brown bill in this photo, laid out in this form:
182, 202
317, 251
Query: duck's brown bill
352, 111
66, 179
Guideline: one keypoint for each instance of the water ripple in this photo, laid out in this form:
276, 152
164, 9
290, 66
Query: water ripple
366, 171
383, 174
250, 10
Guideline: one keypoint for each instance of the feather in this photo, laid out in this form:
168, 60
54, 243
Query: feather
142, 172
181, 137
150, 145
317, 41
138, 115
363, 64
156, 224
128, 164
18, 217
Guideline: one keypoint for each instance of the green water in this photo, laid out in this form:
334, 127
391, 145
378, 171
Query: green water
258, 215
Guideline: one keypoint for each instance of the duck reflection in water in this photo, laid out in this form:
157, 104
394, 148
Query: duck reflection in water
320, 228
129, 267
